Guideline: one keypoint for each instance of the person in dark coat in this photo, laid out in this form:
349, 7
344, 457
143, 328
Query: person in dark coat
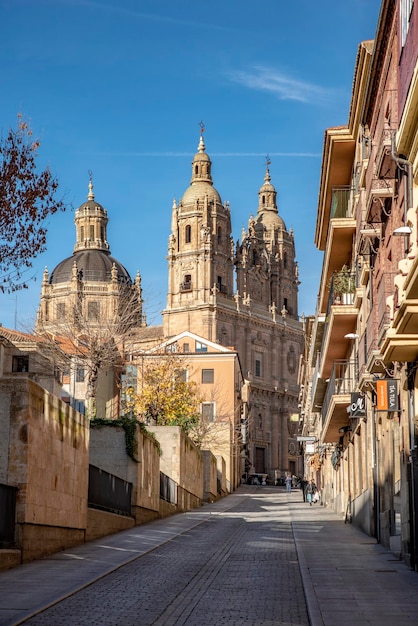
302, 486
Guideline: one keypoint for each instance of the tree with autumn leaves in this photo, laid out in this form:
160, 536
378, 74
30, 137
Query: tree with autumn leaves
27, 199
164, 397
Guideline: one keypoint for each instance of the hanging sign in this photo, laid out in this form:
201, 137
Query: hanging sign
357, 406
387, 395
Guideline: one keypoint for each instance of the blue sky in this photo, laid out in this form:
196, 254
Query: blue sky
119, 88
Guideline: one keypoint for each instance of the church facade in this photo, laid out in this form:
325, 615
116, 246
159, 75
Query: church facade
242, 295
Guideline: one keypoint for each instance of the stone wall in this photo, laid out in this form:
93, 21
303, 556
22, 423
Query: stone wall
44, 453
102, 523
210, 486
108, 452
182, 461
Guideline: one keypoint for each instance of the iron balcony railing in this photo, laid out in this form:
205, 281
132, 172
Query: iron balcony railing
343, 380
341, 202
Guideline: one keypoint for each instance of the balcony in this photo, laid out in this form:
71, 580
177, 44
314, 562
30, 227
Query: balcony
401, 339
341, 320
341, 229
342, 383
319, 386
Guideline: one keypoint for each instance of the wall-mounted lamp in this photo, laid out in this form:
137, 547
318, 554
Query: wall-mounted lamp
351, 336
402, 231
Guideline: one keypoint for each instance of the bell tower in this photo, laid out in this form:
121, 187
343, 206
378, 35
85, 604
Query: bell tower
267, 273
200, 253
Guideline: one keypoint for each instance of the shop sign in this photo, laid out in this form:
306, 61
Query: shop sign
357, 407
387, 395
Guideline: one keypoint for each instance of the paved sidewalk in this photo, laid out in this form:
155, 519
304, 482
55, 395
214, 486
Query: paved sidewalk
348, 578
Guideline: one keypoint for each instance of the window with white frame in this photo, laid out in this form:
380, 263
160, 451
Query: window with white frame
208, 411
405, 12
80, 375
201, 347
182, 375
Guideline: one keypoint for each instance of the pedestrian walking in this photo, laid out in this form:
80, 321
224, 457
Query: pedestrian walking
311, 490
288, 481
302, 486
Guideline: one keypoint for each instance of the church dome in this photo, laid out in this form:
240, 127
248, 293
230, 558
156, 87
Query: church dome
91, 265
201, 184
198, 191
270, 219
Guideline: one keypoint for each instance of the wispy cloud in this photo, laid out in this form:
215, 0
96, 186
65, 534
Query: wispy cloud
212, 154
261, 78
153, 17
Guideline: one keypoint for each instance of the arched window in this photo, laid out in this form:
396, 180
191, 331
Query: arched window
263, 199
188, 233
219, 234
82, 233
285, 259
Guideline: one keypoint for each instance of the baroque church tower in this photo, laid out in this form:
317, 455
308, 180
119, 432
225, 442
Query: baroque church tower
90, 279
90, 294
200, 254
242, 295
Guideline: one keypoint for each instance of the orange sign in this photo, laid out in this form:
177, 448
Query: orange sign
387, 395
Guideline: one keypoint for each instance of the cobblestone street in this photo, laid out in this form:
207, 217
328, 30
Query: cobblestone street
239, 567
258, 557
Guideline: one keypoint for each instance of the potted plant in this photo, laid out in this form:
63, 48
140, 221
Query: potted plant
343, 282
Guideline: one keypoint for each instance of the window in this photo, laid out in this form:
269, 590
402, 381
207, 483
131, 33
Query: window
188, 234
208, 376
93, 311
82, 233
201, 347
258, 364
186, 348
80, 375
406, 10
60, 311
219, 235
80, 406
91, 231
182, 375
221, 287
20, 364
186, 285
207, 410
